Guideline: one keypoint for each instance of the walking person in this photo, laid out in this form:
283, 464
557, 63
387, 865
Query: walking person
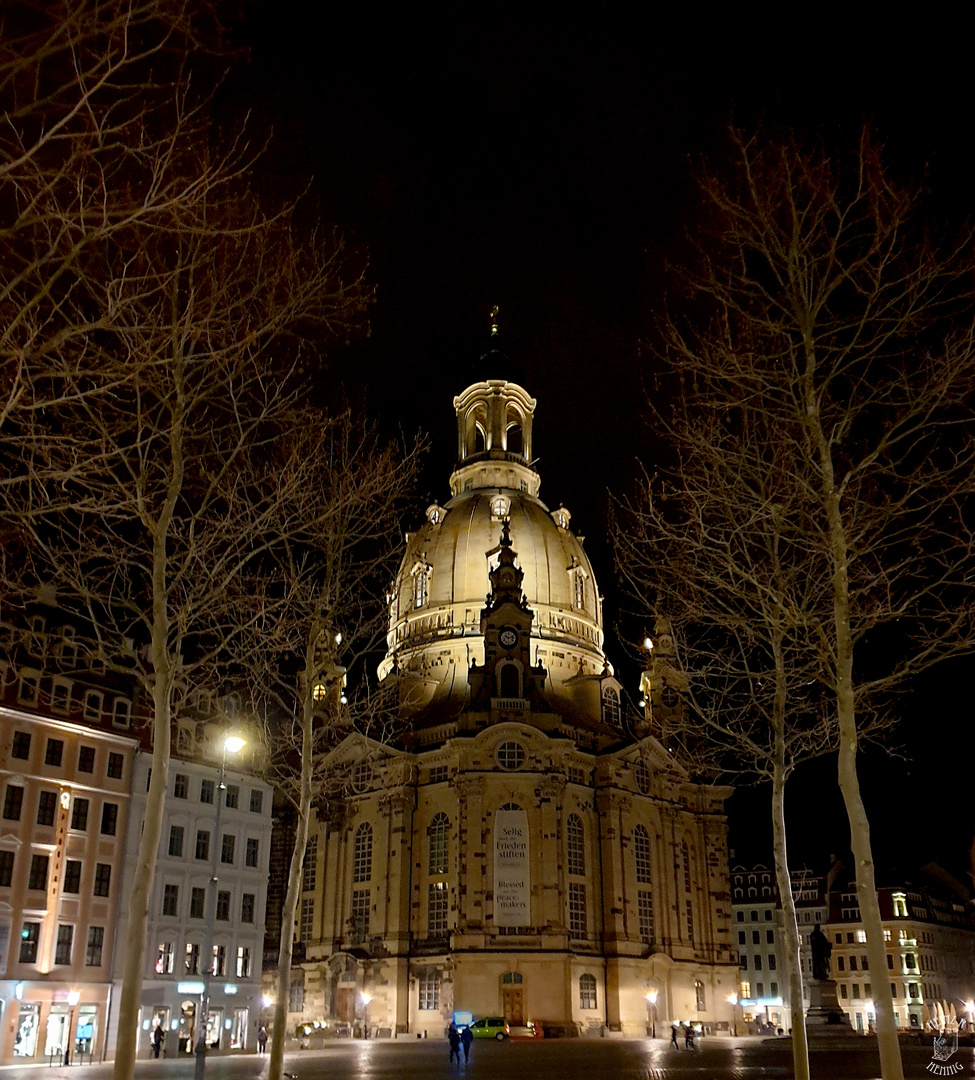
673, 1037
261, 1039
158, 1038
466, 1037
689, 1038
453, 1037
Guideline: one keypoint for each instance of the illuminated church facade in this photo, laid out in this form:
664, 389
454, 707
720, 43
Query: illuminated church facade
524, 851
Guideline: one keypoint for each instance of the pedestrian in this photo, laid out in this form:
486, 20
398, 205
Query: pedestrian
673, 1037
466, 1037
689, 1038
158, 1038
261, 1039
453, 1037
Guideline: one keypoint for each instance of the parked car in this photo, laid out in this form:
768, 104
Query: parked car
490, 1027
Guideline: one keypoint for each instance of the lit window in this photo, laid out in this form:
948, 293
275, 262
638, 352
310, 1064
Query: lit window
164, 958
611, 709
587, 991
191, 961
699, 995
243, 962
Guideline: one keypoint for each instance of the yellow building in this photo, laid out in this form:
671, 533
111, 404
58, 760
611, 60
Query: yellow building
520, 852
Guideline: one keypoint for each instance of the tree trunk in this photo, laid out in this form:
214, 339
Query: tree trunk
800, 1043
290, 908
126, 1043
891, 1066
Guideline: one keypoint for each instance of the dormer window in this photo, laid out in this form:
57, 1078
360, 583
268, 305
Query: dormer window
561, 517
578, 591
435, 514
421, 584
500, 507
611, 707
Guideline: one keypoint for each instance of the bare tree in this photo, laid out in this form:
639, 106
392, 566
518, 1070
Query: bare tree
831, 362
318, 610
91, 99
170, 361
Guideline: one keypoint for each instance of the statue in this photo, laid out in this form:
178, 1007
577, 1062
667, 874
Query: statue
821, 952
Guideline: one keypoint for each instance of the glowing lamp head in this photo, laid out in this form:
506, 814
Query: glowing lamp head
233, 744
652, 997
366, 998
73, 998
648, 644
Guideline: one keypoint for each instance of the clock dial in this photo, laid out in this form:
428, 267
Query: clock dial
508, 637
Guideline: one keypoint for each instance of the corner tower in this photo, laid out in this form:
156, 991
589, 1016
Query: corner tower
435, 628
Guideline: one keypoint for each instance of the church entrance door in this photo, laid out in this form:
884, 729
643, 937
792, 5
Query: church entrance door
513, 1004
346, 1004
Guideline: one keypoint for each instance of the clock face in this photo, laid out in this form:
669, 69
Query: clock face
508, 637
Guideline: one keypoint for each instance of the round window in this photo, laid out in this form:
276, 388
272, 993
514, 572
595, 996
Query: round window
510, 755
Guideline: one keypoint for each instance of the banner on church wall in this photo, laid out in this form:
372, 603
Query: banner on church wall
512, 871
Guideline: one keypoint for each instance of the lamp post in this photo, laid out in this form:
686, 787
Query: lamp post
232, 744
73, 999
733, 1002
366, 998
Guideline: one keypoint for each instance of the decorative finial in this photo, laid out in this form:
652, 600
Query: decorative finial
494, 321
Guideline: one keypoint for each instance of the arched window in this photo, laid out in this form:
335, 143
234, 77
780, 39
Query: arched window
641, 854
587, 991
611, 707
578, 591
421, 588
437, 832
362, 853
509, 681
575, 846
699, 995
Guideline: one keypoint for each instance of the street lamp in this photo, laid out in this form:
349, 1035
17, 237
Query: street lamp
73, 999
652, 1002
366, 998
232, 744
733, 1002
970, 1010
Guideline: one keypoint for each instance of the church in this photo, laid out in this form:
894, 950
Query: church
524, 849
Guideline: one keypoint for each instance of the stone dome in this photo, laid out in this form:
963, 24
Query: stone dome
436, 603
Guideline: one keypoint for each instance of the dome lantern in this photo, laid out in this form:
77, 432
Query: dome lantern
494, 438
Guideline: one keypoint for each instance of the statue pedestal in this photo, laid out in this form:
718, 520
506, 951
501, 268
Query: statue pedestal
825, 1017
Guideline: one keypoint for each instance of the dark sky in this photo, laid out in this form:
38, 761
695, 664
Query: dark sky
521, 156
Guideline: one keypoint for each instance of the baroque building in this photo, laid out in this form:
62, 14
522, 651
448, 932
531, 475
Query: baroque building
521, 850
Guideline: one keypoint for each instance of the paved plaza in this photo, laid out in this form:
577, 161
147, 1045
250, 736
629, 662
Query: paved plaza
557, 1059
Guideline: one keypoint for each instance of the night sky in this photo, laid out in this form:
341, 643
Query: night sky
519, 156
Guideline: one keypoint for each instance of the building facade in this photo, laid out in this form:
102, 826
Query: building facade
522, 850
209, 896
